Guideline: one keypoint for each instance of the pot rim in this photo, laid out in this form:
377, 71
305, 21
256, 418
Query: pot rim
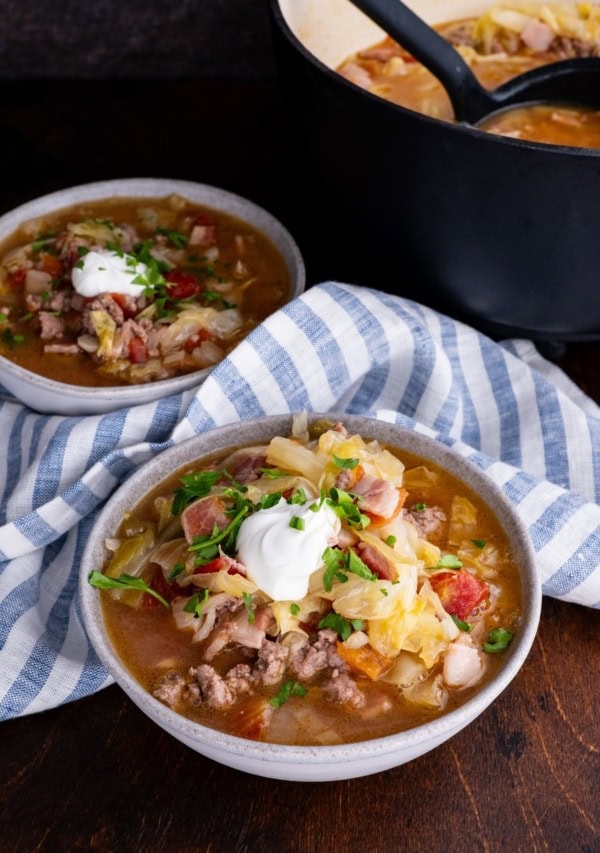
455, 128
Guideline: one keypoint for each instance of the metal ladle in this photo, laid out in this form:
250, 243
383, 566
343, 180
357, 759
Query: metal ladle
575, 81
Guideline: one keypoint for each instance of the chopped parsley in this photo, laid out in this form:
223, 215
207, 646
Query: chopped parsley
177, 569
479, 543
124, 581
391, 541
338, 564
419, 507
196, 602
342, 503
345, 463
294, 608
249, 605
196, 485
464, 626
178, 239
342, 626
10, 339
286, 691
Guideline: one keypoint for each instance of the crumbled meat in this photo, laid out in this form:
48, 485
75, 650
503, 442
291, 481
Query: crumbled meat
270, 666
428, 521
208, 687
51, 326
236, 628
341, 687
105, 302
170, 689
307, 660
345, 479
239, 679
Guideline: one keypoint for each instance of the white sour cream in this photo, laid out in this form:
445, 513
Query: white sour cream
107, 272
279, 558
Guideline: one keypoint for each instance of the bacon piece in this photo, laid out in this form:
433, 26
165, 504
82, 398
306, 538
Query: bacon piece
460, 592
379, 497
376, 562
201, 516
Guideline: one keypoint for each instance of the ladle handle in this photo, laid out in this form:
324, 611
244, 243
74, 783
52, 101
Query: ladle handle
469, 99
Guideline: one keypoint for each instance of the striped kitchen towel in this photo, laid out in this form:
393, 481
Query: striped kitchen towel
336, 348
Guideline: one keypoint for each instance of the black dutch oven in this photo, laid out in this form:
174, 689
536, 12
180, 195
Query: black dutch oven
501, 233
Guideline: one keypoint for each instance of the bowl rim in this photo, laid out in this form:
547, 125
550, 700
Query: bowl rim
233, 204
452, 127
152, 473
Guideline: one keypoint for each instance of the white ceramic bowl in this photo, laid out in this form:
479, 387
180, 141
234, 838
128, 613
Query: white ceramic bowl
47, 395
314, 763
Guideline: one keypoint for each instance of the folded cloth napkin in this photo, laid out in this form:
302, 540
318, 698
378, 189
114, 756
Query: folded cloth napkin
337, 348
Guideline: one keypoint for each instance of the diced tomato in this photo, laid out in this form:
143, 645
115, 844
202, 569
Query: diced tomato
138, 351
218, 565
51, 265
17, 277
160, 585
182, 285
215, 565
124, 304
203, 219
460, 592
196, 340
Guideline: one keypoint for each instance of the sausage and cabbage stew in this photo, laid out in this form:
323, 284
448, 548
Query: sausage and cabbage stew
509, 39
125, 291
320, 589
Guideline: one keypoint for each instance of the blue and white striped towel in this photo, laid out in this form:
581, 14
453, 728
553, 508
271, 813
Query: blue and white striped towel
337, 348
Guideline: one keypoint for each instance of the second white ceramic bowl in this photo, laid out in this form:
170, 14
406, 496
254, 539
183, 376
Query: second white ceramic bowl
47, 395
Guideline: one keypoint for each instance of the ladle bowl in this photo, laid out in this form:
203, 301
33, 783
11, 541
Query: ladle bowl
572, 81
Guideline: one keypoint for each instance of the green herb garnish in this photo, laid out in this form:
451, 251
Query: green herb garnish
479, 543
342, 626
194, 486
294, 608
345, 463
248, 604
100, 581
177, 569
285, 692
498, 640
196, 602
296, 522
391, 541
178, 239
342, 503
419, 507
464, 626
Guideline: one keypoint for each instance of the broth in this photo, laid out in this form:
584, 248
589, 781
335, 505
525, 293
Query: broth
209, 279
329, 667
508, 40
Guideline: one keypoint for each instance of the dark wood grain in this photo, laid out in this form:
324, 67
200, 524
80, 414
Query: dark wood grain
97, 774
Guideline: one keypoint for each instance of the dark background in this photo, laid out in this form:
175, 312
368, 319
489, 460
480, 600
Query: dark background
135, 38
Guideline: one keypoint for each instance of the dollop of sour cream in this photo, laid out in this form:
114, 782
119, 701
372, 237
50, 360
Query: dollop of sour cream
280, 553
108, 272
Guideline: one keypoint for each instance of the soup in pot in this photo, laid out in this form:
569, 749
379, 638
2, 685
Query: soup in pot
507, 40
319, 589
125, 291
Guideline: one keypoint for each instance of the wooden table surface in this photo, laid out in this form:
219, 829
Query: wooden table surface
98, 775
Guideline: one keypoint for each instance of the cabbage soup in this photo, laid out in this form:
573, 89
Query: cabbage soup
319, 589
508, 39
125, 291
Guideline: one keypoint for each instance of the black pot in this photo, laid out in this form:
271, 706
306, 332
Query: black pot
502, 233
